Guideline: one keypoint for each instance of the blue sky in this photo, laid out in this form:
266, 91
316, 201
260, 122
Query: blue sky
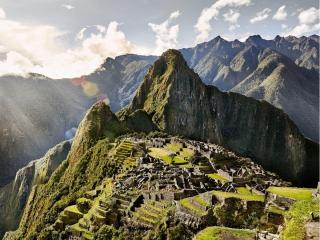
36, 35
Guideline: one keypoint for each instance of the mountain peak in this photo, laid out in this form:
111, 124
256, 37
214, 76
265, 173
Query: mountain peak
98, 123
173, 57
254, 39
180, 104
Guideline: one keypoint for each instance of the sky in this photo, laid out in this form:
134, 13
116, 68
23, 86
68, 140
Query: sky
70, 38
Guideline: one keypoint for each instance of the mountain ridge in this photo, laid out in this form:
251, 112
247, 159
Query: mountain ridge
218, 62
181, 104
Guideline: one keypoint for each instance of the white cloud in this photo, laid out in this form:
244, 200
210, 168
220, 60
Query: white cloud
308, 22
41, 49
260, 16
232, 18
166, 35
16, 64
309, 16
80, 34
284, 26
67, 6
281, 14
203, 26
2, 13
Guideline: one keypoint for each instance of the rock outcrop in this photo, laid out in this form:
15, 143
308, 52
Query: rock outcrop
181, 104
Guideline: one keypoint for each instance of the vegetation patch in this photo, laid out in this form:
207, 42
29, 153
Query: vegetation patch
293, 193
189, 205
175, 147
224, 233
299, 213
217, 177
276, 210
248, 196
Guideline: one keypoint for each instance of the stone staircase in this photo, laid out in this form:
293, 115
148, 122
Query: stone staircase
89, 214
124, 201
148, 215
124, 155
193, 211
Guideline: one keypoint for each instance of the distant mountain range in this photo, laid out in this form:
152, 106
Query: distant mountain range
282, 71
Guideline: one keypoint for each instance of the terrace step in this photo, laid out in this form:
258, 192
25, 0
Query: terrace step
101, 211
122, 197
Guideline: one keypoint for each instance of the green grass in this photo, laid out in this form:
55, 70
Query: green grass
243, 196
73, 208
158, 152
164, 155
215, 233
200, 200
186, 166
217, 177
276, 210
83, 200
187, 204
297, 216
244, 191
175, 147
179, 160
149, 213
293, 193
145, 218
187, 153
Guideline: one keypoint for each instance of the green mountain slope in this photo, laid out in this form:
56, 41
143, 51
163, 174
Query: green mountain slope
181, 104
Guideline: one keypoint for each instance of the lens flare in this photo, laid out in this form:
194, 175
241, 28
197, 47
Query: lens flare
90, 89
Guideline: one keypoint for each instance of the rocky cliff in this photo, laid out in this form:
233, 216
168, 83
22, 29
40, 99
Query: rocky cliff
282, 71
181, 104
13, 197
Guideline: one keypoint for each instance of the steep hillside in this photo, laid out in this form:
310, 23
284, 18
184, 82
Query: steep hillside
235, 66
13, 197
181, 104
87, 164
287, 86
39, 110
36, 113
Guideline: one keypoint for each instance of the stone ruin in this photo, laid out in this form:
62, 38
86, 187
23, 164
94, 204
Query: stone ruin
154, 181
159, 181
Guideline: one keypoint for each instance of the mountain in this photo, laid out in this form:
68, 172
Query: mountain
251, 68
14, 196
121, 184
89, 160
117, 79
181, 104
287, 86
36, 113
282, 71
40, 111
